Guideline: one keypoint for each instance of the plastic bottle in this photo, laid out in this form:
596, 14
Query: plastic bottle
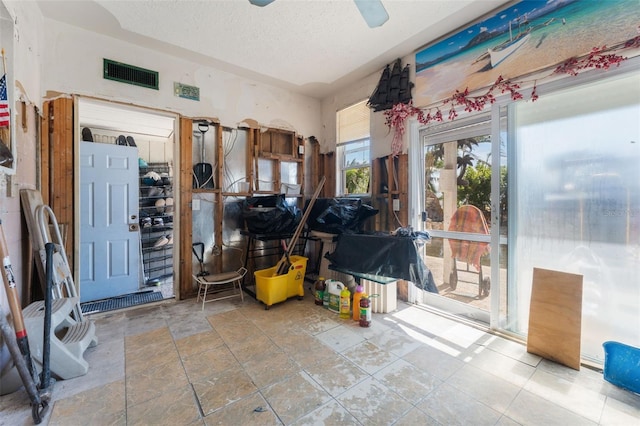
319, 288
345, 303
365, 311
356, 302
325, 297
334, 288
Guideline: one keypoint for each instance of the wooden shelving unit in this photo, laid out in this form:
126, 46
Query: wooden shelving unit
275, 147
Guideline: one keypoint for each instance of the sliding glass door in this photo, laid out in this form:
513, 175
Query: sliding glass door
552, 184
456, 202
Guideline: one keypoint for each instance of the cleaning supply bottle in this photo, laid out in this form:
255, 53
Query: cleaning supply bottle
365, 311
345, 303
319, 288
325, 296
334, 288
356, 302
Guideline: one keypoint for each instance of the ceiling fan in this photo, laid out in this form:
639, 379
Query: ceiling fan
372, 11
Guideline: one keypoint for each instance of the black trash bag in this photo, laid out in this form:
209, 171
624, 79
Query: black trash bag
385, 255
270, 215
338, 215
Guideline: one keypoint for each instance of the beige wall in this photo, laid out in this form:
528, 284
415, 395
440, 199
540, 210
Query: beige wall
23, 53
381, 137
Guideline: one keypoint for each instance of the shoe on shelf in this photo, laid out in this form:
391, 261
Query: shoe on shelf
130, 141
160, 203
162, 241
154, 191
121, 140
170, 239
169, 205
146, 222
86, 134
142, 164
157, 221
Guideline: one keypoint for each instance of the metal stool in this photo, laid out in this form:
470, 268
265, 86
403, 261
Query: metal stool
216, 283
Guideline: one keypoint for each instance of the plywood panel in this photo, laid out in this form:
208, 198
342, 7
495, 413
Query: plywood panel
555, 317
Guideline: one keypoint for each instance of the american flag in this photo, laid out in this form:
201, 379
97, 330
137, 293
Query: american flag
4, 103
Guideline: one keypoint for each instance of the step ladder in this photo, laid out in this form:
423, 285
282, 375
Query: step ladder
69, 338
71, 333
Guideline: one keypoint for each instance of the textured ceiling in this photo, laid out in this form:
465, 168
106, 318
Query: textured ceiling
313, 47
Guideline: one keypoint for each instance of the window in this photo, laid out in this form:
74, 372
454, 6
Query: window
353, 153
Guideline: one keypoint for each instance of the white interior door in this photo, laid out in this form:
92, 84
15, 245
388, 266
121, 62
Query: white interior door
109, 237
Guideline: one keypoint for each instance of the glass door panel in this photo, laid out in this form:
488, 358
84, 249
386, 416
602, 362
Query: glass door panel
457, 203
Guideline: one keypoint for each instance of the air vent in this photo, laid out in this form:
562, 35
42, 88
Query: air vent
130, 74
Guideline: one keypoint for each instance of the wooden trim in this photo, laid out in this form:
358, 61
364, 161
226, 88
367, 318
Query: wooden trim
250, 158
315, 162
47, 112
390, 173
57, 164
328, 170
185, 266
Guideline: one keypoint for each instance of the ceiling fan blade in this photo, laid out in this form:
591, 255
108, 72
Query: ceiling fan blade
373, 12
260, 3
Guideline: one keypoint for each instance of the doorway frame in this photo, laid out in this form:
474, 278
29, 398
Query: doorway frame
492, 122
76, 181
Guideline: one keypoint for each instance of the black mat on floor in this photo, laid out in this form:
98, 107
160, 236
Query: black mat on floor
121, 302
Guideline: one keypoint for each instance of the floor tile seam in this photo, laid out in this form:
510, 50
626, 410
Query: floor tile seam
109, 381
129, 337
271, 408
144, 351
146, 401
463, 391
404, 413
546, 397
367, 376
560, 406
203, 343
575, 380
129, 404
330, 398
245, 397
131, 377
280, 380
240, 364
513, 357
496, 373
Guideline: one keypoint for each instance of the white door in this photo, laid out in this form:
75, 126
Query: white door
109, 237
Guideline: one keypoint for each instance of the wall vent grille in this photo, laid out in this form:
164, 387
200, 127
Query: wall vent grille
130, 74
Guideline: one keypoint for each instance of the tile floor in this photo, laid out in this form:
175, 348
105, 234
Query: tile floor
298, 364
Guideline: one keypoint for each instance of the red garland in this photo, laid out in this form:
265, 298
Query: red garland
397, 115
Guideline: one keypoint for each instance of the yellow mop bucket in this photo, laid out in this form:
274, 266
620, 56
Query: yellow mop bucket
274, 289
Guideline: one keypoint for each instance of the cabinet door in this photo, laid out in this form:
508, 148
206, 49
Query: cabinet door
109, 239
